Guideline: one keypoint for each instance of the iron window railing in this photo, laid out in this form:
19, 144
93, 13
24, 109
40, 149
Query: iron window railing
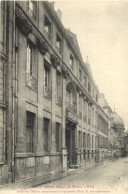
31, 82
59, 100
47, 93
72, 108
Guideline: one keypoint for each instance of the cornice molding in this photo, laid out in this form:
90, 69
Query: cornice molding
22, 22
42, 46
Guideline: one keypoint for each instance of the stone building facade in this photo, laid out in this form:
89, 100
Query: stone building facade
48, 96
49, 112
115, 129
126, 143
103, 130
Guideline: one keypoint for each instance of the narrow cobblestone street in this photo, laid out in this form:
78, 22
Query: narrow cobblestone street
110, 177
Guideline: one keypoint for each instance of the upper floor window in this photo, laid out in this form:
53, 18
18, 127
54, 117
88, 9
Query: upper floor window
47, 25
58, 43
69, 98
89, 87
46, 76
93, 93
47, 82
71, 61
58, 78
80, 103
32, 8
29, 58
84, 81
80, 74
31, 81
3, 25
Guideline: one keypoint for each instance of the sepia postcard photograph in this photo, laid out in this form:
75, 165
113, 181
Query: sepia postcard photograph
64, 97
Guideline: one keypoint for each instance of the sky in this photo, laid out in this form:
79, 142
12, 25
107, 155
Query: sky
102, 33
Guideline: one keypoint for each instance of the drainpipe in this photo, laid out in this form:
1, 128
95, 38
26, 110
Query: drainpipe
13, 96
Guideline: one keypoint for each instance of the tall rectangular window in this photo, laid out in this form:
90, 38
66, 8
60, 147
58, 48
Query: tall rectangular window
85, 81
84, 140
71, 61
89, 87
84, 154
47, 25
1, 135
58, 137
3, 25
31, 80
58, 43
80, 74
46, 77
88, 140
58, 89
32, 8
47, 82
29, 58
80, 140
46, 134
30, 131
67, 97
89, 114
92, 141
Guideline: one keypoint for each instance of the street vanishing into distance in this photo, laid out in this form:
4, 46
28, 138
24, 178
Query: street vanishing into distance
111, 177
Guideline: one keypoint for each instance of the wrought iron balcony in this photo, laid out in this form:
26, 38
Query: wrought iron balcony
71, 112
47, 93
72, 108
59, 100
31, 82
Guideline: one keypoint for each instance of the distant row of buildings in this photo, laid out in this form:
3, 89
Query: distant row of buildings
52, 115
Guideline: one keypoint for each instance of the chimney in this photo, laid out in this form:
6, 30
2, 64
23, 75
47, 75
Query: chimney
59, 13
52, 3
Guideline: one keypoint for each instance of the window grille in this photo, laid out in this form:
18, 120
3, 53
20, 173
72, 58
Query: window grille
46, 134
29, 131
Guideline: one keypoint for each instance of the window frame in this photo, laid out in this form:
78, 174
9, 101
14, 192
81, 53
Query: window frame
49, 25
58, 137
32, 10
71, 61
30, 129
80, 74
59, 41
29, 68
46, 134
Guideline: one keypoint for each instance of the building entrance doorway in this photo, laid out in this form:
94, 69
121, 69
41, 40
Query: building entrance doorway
70, 143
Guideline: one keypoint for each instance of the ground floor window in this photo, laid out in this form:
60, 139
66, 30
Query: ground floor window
58, 137
92, 153
88, 153
30, 120
84, 153
46, 134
